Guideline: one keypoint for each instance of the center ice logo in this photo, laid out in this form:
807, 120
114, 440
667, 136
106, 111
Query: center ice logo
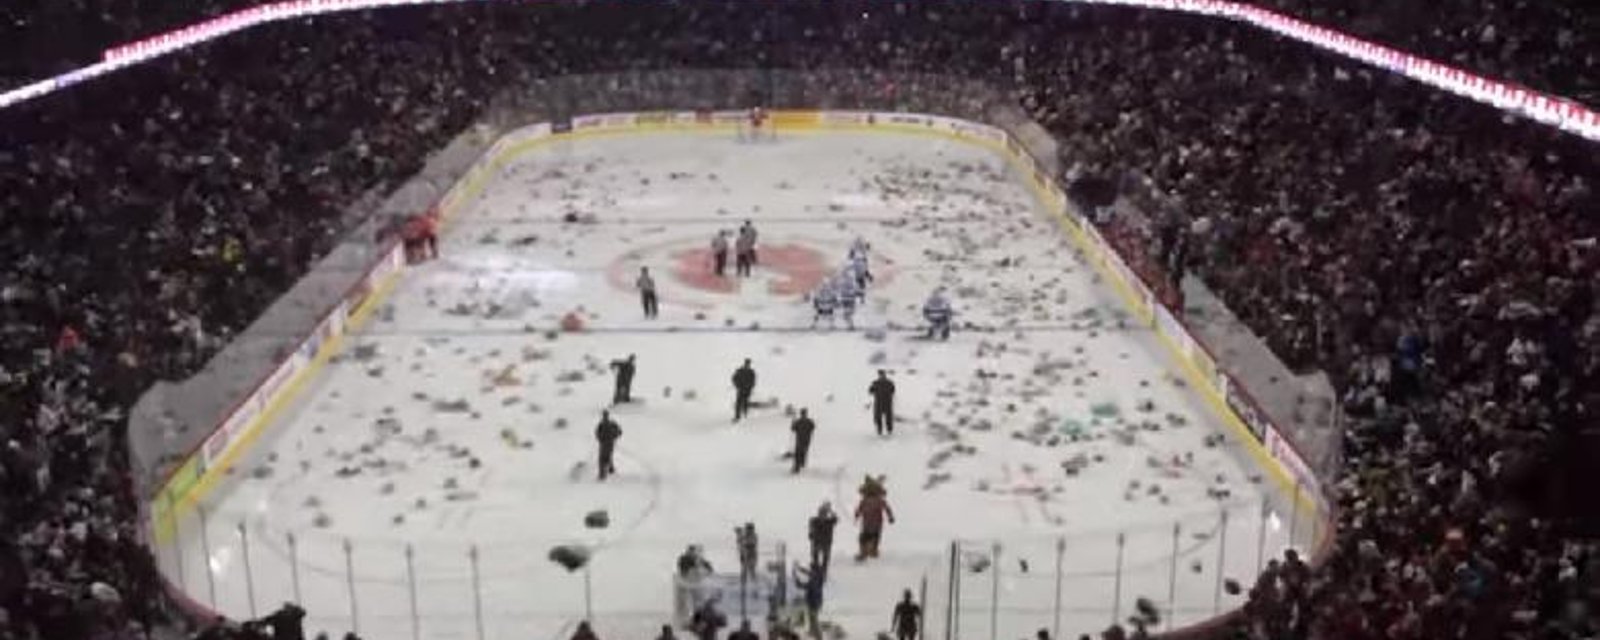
782, 269
787, 270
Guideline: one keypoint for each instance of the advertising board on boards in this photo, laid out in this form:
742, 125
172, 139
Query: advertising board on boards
1175, 332
653, 118
1206, 366
1142, 302
213, 448
981, 131
847, 117
1243, 408
603, 121
1284, 452
905, 119
1017, 150
788, 118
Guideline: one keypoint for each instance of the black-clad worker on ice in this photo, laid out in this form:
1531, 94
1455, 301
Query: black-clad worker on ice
607, 433
692, 563
744, 383
802, 427
882, 391
744, 632
745, 539
624, 389
820, 531
937, 312
707, 620
907, 618
288, 622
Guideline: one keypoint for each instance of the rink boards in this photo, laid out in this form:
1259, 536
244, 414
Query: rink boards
198, 474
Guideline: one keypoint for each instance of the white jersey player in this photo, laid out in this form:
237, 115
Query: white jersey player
823, 301
848, 293
847, 285
857, 268
859, 247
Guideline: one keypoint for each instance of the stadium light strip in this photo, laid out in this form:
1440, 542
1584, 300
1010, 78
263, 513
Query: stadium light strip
1562, 113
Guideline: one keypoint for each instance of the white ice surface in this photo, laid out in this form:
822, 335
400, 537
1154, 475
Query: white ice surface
1052, 341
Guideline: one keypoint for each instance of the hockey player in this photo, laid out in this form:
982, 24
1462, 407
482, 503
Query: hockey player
758, 123
802, 427
810, 582
848, 297
937, 312
823, 301
747, 236
744, 252
745, 538
848, 284
624, 386
719, 253
744, 382
819, 530
871, 513
882, 391
647, 292
857, 267
607, 433
421, 237
859, 247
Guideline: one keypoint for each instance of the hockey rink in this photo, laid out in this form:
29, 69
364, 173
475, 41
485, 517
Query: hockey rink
451, 444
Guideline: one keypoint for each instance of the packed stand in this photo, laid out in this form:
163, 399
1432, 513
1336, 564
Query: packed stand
1429, 254
1435, 257
1552, 45
150, 216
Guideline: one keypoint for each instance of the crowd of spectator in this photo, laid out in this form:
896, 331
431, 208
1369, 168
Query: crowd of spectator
1437, 258
1552, 45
